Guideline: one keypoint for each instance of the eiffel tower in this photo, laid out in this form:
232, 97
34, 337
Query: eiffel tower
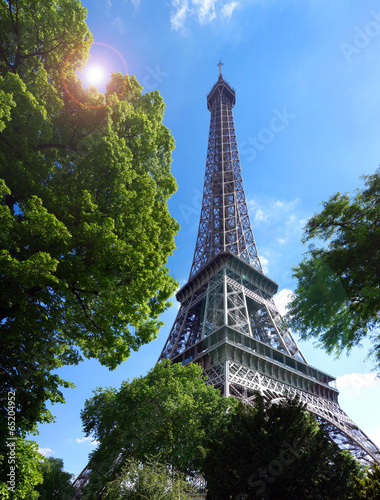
228, 321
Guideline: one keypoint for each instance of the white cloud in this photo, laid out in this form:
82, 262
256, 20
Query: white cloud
281, 299
83, 440
46, 452
205, 11
228, 8
265, 263
260, 216
356, 383
119, 24
278, 223
178, 16
87, 439
273, 211
135, 3
375, 436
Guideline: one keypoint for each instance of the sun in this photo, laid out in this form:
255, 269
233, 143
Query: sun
94, 74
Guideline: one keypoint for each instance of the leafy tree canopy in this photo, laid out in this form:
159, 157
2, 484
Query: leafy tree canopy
56, 483
276, 450
20, 470
85, 227
149, 481
368, 487
337, 298
170, 414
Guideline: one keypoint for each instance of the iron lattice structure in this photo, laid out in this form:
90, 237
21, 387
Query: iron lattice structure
227, 320
224, 222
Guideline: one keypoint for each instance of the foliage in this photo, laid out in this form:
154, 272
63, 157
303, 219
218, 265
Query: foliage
86, 230
170, 413
368, 487
19, 469
56, 484
337, 298
276, 451
149, 481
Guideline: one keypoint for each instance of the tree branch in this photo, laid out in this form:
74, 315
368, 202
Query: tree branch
41, 53
50, 145
4, 57
84, 307
14, 25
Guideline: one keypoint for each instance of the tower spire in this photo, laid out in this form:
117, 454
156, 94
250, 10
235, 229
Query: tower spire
220, 64
228, 321
224, 225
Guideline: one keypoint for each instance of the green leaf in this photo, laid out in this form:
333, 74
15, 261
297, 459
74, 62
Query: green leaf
337, 297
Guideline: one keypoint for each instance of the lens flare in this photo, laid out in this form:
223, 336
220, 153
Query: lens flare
94, 74
66, 84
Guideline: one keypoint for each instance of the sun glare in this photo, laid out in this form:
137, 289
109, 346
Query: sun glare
94, 74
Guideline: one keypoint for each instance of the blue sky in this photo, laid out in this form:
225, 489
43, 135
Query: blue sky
314, 64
